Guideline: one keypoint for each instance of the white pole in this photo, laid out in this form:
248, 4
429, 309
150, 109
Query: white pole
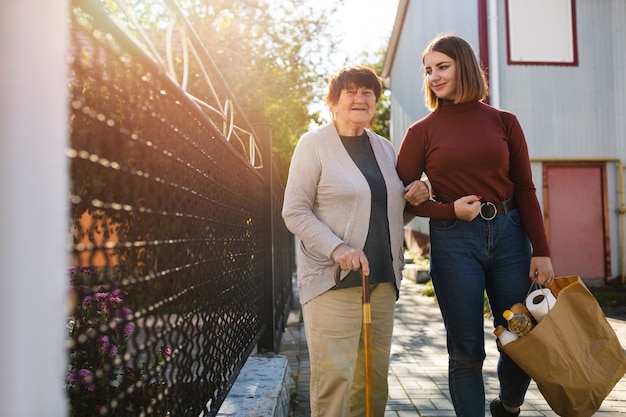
494, 74
33, 207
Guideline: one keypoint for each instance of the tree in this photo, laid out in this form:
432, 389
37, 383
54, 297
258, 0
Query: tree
271, 55
383, 109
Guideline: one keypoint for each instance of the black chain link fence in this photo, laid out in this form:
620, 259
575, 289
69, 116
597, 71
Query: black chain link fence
182, 264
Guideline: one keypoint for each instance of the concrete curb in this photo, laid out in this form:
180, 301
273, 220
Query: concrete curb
261, 389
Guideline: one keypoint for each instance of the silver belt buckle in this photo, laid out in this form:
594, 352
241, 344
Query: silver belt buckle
492, 207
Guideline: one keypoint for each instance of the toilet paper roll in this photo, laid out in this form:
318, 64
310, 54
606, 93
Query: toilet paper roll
540, 302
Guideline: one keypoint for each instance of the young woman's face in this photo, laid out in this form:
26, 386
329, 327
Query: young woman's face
440, 72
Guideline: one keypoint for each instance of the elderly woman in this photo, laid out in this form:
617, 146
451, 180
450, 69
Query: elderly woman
345, 202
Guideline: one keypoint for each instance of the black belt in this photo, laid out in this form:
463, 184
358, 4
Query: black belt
489, 210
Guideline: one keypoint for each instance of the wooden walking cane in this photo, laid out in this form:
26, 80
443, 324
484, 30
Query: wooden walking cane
367, 341
367, 346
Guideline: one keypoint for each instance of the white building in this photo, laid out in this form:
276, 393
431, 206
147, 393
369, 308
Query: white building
559, 65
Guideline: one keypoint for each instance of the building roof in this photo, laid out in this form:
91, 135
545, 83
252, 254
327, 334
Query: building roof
403, 5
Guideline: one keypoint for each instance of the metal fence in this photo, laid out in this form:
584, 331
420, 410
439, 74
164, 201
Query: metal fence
182, 264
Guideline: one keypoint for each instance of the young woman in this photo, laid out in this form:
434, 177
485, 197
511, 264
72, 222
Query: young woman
486, 226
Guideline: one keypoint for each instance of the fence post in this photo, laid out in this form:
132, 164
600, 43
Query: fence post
267, 342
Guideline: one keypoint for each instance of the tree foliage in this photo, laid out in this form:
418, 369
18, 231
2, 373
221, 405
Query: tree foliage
271, 55
274, 55
383, 110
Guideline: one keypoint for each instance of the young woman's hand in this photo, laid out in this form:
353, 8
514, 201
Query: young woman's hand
467, 208
541, 270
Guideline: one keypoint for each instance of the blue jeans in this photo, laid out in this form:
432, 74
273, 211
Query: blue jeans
468, 258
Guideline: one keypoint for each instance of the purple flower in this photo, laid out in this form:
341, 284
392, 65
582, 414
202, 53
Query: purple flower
129, 329
99, 310
87, 301
103, 341
115, 300
166, 351
103, 306
83, 377
107, 347
87, 269
112, 351
72, 378
81, 273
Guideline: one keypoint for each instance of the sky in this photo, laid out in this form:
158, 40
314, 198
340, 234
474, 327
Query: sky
363, 26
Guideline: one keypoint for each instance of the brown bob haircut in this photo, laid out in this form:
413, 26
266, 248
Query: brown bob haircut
353, 76
470, 78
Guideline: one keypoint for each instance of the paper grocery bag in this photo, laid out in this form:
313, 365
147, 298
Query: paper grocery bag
573, 354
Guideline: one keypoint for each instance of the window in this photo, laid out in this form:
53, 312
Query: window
541, 32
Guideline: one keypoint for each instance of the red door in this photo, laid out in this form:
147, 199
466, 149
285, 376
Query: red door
574, 208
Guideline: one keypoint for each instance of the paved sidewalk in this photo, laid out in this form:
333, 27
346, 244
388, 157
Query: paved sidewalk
418, 381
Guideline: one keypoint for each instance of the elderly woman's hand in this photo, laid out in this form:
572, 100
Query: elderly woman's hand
351, 258
416, 193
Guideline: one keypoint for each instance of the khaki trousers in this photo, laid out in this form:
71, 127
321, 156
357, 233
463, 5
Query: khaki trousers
333, 327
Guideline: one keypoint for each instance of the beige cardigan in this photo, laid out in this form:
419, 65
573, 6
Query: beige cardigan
328, 201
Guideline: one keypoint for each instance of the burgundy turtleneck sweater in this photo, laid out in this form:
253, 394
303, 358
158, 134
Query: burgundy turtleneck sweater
472, 148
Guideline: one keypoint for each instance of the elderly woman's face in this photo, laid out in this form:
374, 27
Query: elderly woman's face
355, 108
